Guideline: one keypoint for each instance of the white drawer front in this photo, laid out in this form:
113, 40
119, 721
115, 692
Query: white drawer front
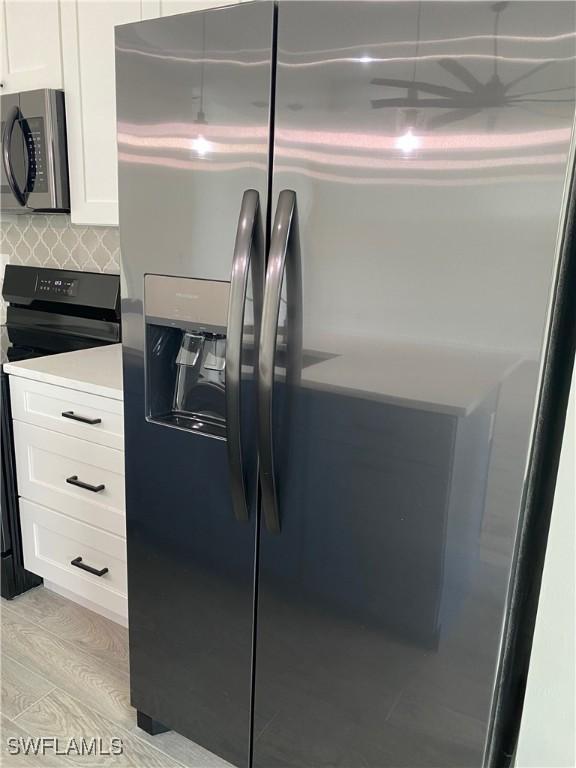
46, 462
52, 541
44, 405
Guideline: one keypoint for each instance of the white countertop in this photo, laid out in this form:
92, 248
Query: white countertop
97, 370
449, 380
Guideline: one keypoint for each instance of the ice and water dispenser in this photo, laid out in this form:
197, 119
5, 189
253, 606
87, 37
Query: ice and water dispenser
186, 323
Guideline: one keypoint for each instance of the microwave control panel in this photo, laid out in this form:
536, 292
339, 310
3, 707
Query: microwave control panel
35, 149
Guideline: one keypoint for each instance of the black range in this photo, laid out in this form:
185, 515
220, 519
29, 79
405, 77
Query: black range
50, 311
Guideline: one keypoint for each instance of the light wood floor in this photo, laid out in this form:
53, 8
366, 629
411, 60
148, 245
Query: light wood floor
65, 675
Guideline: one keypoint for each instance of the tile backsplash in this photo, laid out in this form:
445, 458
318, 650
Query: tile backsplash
52, 241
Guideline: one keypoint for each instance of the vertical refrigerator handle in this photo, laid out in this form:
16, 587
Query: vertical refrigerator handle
248, 251
12, 118
284, 255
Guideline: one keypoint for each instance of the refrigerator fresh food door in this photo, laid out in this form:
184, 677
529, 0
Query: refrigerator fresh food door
193, 96
420, 156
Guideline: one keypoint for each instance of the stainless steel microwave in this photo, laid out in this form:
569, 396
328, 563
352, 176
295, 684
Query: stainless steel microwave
34, 167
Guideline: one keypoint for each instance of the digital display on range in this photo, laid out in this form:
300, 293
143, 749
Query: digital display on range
56, 286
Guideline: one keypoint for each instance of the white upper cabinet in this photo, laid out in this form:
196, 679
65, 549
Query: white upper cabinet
170, 7
69, 44
89, 83
31, 52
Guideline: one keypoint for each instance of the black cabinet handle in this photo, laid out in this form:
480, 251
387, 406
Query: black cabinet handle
77, 563
83, 419
87, 487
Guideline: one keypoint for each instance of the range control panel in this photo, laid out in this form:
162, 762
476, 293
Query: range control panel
56, 286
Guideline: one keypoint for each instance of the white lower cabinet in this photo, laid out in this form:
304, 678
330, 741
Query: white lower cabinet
53, 544
70, 474
73, 476
79, 414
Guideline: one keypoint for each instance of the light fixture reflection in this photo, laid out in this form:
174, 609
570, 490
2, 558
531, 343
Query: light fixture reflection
201, 146
408, 143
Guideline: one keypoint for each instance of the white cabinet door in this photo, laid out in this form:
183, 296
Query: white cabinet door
80, 558
30, 41
89, 81
79, 414
80, 479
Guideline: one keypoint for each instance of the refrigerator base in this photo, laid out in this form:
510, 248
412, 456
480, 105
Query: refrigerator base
152, 727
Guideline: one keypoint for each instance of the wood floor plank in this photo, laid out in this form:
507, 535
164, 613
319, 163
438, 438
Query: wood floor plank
91, 632
68, 667
57, 642
20, 687
185, 751
425, 718
11, 730
64, 717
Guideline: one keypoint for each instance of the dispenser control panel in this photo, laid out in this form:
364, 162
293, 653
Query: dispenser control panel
196, 304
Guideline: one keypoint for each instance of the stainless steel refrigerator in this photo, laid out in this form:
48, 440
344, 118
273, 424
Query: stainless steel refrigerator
345, 236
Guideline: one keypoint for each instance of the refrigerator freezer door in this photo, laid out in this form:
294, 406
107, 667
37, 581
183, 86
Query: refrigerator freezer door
193, 96
427, 145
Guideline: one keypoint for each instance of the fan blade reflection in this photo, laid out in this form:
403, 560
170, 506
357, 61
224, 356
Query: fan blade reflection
460, 72
453, 116
411, 103
418, 85
527, 74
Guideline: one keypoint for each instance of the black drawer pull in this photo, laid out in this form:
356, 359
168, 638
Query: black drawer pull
87, 487
83, 419
77, 562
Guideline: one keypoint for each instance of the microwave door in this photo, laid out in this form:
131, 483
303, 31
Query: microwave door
13, 167
39, 149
